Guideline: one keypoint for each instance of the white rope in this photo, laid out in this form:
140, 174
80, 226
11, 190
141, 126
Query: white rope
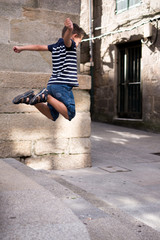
121, 30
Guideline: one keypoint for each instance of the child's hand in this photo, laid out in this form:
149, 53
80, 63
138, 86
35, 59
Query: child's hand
17, 49
68, 23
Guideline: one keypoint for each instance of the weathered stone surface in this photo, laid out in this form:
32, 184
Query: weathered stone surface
33, 126
4, 33
82, 101
14, 8
157, 104
30, 32
24, 132
84, 82
84, 19
51, 146
44, 162
79, 145
72, 161
10, 10
13, 79
46, 16
26, 80
68, 7
60, 162
63, 146
155, 5
16, 83
6, 105
15, 148
131, 22
27, 61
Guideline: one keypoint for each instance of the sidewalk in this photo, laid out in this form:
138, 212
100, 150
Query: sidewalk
125, 172
116, 199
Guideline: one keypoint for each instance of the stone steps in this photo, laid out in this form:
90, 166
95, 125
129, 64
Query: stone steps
41, 204
30, 211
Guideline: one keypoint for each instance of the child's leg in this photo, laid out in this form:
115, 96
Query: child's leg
44, 109
59, 106
29, 96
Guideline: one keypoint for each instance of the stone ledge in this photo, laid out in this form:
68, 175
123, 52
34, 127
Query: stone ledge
34, 126
82, 100
59, 162
15, 148
9, 79
63, 146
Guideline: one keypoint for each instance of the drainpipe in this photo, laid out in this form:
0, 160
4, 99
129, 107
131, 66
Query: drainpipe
91, 53
90, 31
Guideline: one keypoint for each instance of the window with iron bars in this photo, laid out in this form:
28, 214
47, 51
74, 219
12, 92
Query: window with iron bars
122, 5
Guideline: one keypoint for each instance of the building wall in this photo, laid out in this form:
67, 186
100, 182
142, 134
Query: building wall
25, 134
105, 60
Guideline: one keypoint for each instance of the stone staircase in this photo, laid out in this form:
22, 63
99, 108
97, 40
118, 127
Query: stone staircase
43, 206
29, 210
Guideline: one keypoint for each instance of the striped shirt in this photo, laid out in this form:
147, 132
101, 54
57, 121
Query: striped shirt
64, 61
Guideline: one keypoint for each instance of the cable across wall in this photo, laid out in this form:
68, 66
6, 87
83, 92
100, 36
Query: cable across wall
157, 18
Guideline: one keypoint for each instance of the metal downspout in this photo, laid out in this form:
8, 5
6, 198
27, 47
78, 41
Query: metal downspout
91, 54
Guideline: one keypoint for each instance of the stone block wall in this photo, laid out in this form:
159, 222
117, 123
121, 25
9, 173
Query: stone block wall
37, 141
105, 59
26, 134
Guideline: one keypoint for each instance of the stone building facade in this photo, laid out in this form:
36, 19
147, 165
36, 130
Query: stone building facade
126, 57
25, 134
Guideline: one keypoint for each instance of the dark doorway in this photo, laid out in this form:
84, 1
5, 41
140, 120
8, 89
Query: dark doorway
129, 80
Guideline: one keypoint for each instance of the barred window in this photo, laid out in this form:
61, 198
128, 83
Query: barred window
122, 5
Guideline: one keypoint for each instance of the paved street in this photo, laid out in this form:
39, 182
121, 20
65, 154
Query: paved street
116, 199
125, 172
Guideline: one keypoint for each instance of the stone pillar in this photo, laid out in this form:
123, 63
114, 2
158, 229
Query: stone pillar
26, 134
37, 141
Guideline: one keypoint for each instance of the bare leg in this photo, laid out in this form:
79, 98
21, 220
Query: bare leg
59, 106
44, 109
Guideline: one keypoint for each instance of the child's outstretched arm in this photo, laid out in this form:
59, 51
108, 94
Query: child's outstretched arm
19, 49
68, 34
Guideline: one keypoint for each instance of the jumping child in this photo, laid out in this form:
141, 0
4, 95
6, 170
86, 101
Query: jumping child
58, 94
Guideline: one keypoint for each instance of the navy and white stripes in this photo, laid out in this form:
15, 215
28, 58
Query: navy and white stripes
64, 61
